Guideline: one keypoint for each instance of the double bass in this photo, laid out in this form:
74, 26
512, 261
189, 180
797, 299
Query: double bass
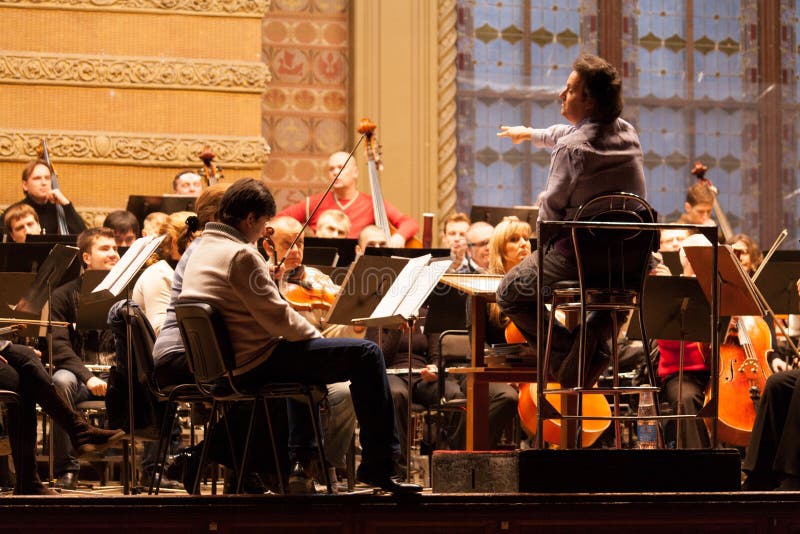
374, 165
44, 154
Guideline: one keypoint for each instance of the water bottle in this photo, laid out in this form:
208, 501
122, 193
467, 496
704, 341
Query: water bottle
646, 429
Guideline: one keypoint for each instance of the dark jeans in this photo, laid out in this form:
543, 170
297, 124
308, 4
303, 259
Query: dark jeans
25, 375
695, 435
516, 297
327, 361
774, 449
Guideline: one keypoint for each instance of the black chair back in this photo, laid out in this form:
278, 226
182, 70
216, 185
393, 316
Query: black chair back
614, 259
142, 340
204, 336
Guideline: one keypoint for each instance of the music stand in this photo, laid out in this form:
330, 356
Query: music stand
144, 205
778, 281
345, 246
320, 256
672, 259
28, 257
66, 239
407, 252
120, 278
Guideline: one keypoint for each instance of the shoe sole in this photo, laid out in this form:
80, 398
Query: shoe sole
88, 448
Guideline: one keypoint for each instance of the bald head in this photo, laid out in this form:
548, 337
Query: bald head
345, 185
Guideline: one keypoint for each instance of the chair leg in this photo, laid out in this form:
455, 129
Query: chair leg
318, 436
615, 372
207, 439
240, 472
275, 457
163, 447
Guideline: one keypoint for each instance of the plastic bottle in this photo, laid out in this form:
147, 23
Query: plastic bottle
646, 429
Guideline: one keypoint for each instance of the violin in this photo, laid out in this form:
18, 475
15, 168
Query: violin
307, 288
210, 171
374, 165
699, 170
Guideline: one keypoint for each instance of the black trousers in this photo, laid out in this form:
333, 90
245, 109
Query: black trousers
774, 449
695, 435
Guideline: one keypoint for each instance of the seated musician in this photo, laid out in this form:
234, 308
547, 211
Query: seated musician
454, 237
20, 220
698, 206
153, 223
313, 303
598, 153
333, 223
22, 371
772, 461
370, 236
37, 183
125, 226
478, 236
73, 348
272, 342
187, 183
357, 205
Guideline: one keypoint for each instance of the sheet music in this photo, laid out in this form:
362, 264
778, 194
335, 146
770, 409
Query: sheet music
119, 275
423, 285
404, 283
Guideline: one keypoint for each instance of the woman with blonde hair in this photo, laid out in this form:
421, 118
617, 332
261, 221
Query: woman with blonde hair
509, 244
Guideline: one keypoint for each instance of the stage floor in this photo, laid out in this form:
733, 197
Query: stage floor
368, 513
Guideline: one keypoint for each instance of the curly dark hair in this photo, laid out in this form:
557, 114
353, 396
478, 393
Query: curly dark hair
602, 83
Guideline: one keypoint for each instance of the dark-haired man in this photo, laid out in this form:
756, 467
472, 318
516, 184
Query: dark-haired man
73, 348
125, 226
272, 342
37, 183
598, 153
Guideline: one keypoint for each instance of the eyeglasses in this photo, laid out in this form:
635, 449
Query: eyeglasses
479, 244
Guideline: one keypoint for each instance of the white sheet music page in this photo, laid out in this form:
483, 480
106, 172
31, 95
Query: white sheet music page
423, 285
119, 275
404, 282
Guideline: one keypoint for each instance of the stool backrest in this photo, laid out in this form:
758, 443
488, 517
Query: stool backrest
208, 348
612, 258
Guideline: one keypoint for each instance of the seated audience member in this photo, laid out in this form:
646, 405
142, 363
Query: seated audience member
22, 371
153, 223
37, 183
272, 342
74, 347
454, 237
187, 183
125, 226
370, 236
20, 220
478, 246
333, 223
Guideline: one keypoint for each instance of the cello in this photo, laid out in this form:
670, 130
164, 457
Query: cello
374, 165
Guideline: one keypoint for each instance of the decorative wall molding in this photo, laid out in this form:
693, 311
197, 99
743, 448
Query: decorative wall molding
136, 72
208, 8
123, 148
446, 108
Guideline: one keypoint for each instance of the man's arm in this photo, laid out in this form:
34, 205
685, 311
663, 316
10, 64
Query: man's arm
405, 225
249, 278
295, 211
64, 355
540, 137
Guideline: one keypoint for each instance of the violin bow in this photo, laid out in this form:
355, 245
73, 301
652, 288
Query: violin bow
321, 200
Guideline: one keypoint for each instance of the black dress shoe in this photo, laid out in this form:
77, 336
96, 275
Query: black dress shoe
68, 481
387, 483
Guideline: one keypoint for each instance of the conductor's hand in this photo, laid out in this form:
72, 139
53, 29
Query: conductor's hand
97, 386
57, 197
429, 373
517, 134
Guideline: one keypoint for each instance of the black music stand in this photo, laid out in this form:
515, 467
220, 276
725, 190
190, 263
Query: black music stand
29, 257
778, 282
365, 284
328, 256
407, 252
495, 214
144, 205
66, 239
672, 259
345, 246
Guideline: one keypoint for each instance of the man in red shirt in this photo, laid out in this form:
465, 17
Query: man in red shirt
357, 205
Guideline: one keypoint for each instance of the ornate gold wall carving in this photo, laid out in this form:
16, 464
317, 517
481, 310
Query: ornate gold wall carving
133, 149
446, 108
223, 8
136, 72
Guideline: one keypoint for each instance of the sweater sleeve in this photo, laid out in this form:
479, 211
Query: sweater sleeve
249, 278
406, 226
295, 211
64, 355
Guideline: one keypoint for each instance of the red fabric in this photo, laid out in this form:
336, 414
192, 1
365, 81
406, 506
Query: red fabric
693, 357
360, 213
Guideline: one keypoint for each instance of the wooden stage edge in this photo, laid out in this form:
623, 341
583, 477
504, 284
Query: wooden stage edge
652, 512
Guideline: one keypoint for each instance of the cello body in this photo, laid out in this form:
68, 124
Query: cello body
743, 370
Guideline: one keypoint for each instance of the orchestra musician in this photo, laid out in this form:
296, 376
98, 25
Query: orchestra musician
370, 236
188, 183
125, 226
73, 348
20, 220
478, 236
598, 153
454, 237
272, 342
37, 184
313, 303
333, 223
699, 205
357, 205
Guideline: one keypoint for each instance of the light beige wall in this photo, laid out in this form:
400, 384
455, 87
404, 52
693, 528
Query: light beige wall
397, 82
126, 95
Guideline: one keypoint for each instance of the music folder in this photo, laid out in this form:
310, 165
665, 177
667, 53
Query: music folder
675, 308
366, 282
